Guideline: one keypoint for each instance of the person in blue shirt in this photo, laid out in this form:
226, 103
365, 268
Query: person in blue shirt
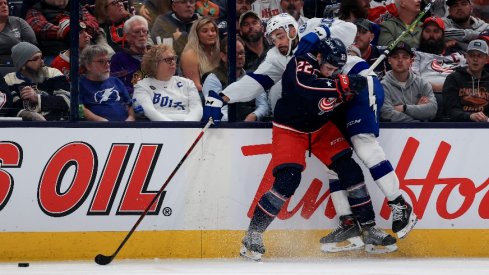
104, 98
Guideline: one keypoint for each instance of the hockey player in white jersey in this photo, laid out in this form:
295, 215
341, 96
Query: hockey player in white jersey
271, 70
361, 122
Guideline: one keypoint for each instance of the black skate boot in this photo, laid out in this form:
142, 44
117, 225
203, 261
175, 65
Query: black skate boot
344, 238
252, 247
377, 241
403, 217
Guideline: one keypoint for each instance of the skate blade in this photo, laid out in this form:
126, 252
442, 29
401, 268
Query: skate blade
350, 244
379, 249
412, 222
245, 253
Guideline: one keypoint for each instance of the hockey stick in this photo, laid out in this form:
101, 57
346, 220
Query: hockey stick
103, 259
392, 45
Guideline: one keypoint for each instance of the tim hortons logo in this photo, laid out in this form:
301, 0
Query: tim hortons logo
312, 198
135, 196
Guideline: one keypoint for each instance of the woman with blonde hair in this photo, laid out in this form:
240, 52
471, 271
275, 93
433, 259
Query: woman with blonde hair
162, 95
201, 54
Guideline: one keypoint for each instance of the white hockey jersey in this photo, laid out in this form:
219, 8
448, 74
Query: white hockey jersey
271, 69
173, 100
266, 9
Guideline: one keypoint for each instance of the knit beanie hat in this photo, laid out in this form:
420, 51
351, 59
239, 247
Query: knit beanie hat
22, 52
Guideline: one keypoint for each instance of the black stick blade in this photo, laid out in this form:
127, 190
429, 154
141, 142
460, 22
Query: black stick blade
103, 260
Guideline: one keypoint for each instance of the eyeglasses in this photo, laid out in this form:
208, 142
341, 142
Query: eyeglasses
170, 59
114, 3
102, 62
37, 58
190, 2
140, 32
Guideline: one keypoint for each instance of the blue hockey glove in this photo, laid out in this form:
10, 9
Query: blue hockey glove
310, 41
212, 108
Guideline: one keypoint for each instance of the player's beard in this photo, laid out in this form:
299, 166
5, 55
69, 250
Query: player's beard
432, 46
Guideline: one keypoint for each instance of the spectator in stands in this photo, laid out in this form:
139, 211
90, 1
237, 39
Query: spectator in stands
266, 9
434, 61
162, 95
256, 46
408, 98
350, 10
461, 26
175, 26
391, 28
201, 54
294, 8
315, 8
12, 31
111, 15
38, 92
126, 64
151, 9
62, 61
104, 98
365, 40
466, 91
242, 6
217, 80
50, 20
5, 99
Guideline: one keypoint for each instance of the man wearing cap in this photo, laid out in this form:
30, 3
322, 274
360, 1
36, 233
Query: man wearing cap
392, 28
460, 25
175, 25
38, 92
408, 97
256, 46
365, 41
466, 91
434, 61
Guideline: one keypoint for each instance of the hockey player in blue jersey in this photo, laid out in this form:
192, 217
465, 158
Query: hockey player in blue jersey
302, 122
360, 120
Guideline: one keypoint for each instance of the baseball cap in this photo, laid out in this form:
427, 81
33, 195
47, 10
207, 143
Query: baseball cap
436, 20
478, 45
451, 2
404, 47
365, 24
247, 14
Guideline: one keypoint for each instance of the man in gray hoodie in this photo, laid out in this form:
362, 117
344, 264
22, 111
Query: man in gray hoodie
408, 97
461, 26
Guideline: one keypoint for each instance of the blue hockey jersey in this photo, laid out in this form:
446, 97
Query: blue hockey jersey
308, 98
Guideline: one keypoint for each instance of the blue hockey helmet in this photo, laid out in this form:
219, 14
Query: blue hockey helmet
332, 51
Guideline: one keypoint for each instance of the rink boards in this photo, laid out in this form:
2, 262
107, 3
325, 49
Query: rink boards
71, 193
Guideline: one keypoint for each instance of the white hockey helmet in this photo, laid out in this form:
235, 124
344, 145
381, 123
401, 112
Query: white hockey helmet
284, 21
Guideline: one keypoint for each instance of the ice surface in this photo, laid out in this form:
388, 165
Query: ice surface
336, 266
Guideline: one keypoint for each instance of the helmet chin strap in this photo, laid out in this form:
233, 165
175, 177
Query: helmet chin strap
291, 40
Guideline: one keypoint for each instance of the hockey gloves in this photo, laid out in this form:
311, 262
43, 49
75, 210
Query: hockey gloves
212, 108
350, 86
310, 41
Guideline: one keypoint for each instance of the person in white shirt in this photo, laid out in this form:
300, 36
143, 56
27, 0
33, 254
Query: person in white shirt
164, 96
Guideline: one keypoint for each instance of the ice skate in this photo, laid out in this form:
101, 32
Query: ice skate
252, 246
344, 238
403, 217
377, 241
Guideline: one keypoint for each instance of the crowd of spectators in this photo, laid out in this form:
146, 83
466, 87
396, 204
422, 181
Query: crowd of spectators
157, 60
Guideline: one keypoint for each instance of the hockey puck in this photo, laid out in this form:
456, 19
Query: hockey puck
23, 264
